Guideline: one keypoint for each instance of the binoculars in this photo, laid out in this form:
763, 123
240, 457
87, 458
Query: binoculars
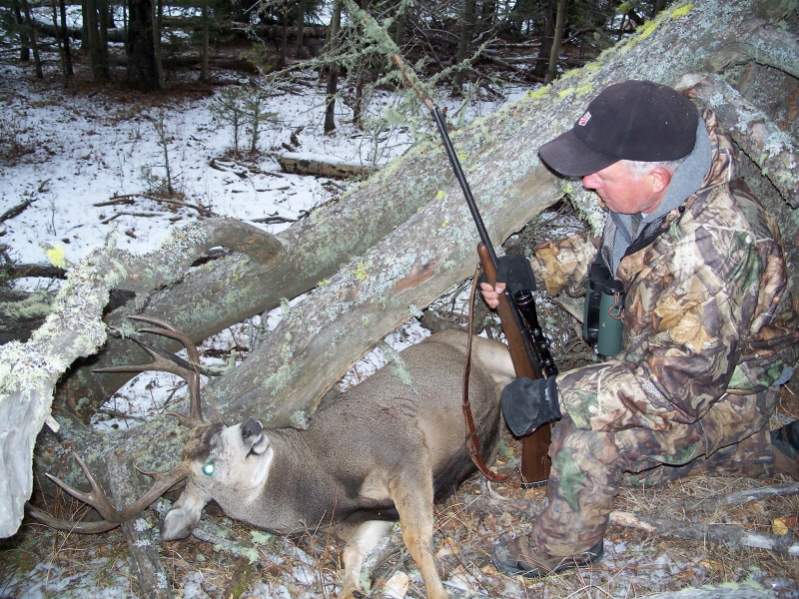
604, 301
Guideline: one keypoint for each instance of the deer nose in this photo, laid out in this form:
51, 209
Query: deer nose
250, 428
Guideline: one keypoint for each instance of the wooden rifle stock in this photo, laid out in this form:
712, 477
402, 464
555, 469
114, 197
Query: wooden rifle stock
535, 461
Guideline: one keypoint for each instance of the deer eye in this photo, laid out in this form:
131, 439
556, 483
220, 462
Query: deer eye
208, 468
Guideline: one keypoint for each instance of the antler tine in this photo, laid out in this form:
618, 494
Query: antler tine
169, 363
167, 330
162, 482
89, 528
191, 376
96, 498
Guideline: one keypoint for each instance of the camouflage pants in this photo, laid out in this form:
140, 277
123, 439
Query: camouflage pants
588, 467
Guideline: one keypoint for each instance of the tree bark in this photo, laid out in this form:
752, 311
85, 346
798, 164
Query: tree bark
205, 41
29, 372
37, 62
414, 240
554, 52
65, 40
332, 74
24, 38
96, 39
141, 534
464, 43
547, 33
144, 69
774, 152
299, 28
725, 534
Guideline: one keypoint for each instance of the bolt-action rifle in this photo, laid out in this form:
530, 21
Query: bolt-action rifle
528, 347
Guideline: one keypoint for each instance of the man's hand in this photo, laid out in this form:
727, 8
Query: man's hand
491, 294
512, 270
527, 404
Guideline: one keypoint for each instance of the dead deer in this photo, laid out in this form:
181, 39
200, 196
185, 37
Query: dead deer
383, 451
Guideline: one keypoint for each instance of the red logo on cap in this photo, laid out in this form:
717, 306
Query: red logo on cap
584, 119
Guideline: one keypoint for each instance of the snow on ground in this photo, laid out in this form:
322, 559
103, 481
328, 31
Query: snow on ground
91, 163
87, 149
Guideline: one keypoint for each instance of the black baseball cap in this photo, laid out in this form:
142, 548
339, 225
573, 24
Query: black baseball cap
633, 120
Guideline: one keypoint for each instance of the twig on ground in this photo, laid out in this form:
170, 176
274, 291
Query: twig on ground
202, 210
18, 271
726, 534
274, 219
136, 214
116, 200
16, 210
746, 496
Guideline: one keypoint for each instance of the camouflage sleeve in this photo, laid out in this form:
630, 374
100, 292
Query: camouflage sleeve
687, 346
563, 264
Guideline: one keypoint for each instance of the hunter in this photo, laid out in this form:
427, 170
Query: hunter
695, 276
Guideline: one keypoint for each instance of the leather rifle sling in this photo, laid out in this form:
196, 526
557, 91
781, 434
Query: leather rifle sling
472, 438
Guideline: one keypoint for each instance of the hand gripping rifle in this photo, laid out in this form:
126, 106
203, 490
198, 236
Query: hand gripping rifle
528, 347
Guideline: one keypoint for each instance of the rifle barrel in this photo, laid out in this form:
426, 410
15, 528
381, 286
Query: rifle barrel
441, 125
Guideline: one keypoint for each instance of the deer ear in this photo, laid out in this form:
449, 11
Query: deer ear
184, 515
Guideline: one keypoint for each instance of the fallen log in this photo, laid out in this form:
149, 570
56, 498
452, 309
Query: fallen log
305, 164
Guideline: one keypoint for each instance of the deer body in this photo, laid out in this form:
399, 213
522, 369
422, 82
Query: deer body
383, 451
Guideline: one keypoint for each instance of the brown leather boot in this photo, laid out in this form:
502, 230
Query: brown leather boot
519, 557
785, 441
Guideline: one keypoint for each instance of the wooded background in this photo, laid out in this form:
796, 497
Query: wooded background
415, 239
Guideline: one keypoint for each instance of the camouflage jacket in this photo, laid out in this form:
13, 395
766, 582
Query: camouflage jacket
707, 313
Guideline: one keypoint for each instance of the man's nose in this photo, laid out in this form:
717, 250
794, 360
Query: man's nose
590, 181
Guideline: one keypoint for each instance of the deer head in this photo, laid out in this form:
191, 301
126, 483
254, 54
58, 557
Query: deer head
220, 458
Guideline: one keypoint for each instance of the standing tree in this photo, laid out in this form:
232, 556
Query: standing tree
228, 108
31, 34
96, 38
468, 15
332, 72
144, 59
557, 36
546, 32
22, 31
59, 9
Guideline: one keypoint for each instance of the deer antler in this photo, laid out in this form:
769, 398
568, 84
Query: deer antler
112, 517
166, 362
163, 481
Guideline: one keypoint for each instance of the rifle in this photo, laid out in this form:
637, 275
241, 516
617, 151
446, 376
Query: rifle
529, 349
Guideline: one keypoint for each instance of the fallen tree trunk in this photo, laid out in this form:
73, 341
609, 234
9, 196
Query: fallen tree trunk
302, 164
231, 290
385, 249
29, 371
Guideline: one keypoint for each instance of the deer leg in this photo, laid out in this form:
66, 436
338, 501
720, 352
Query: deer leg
360, 543
412, 493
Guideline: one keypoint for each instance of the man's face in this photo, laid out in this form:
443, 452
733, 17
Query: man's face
623, 190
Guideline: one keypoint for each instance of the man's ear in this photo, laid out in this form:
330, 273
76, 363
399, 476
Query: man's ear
659, 179
185, 514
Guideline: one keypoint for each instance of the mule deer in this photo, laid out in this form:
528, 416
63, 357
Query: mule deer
383, 451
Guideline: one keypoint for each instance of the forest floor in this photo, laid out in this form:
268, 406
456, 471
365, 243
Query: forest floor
90, 162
